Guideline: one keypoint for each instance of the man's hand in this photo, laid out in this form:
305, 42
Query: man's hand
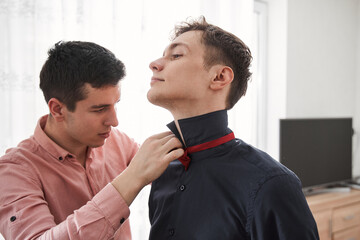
154, 156
149, 163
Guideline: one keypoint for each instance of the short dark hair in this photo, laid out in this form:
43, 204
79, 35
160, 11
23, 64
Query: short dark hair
222, 47
70, 65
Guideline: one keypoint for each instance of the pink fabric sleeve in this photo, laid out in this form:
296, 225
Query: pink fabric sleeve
24, 213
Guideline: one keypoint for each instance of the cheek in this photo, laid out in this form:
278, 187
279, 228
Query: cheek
79, 129
196, 71
86, 123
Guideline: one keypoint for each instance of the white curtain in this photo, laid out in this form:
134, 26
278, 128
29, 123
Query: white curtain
136, 31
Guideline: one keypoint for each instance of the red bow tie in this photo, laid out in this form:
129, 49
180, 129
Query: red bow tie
185, 159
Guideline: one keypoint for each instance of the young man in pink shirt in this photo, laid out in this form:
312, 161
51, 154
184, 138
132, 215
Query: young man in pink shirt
76, 177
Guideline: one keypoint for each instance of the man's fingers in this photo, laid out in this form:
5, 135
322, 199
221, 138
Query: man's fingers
162, 135
171, 143
174, 154
164, 140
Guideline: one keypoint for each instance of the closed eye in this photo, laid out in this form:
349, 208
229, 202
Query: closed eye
100, 110
176, 56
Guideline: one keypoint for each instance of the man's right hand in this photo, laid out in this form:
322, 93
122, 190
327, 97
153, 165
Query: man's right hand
148, 164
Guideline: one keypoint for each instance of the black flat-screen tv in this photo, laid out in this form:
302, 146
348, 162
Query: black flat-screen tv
318, 151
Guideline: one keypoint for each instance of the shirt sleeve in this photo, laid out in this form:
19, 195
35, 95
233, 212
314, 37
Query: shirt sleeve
281, 211
24, 213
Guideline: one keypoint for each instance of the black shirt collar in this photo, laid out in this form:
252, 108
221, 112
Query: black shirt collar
203, 128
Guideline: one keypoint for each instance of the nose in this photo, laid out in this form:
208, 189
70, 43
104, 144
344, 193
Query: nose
111, 119
156, 65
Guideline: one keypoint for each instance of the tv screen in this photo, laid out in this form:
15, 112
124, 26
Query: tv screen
318, 151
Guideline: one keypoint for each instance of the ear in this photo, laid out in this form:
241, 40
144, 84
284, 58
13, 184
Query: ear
224, 76
56, 109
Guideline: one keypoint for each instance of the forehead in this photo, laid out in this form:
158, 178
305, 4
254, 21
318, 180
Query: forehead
107, 93
190, 39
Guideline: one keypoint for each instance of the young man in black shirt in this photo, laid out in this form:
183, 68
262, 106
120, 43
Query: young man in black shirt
222, 188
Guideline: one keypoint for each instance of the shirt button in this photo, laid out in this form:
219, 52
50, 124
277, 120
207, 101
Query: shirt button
122, 220
171, 232
12, 219
60, 158
182, 187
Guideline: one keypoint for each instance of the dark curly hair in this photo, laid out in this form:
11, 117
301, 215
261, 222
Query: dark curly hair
70, 65
225, 48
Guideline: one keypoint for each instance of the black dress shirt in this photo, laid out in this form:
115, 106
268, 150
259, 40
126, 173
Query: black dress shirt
232, 191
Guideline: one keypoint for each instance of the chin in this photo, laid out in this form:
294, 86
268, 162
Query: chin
96, 145
152, 97
159, 100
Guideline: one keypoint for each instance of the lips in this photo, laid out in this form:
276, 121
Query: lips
155, 80
104, 135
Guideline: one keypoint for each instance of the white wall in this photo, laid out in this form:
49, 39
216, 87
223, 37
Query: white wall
319, 40
322, 59
321, 70
356, 162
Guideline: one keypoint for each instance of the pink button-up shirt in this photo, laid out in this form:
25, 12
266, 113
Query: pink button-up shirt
46, 193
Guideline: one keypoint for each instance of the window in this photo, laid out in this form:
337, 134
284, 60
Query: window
137, 32
248, 118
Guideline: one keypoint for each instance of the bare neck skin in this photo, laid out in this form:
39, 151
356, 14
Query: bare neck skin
55, 132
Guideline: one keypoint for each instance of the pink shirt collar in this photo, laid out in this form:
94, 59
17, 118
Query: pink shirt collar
47, 143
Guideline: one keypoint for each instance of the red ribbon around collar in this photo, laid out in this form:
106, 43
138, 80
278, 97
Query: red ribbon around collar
185, 159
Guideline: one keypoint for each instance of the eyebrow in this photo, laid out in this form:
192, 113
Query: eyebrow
174, 45
99, 106
102, 105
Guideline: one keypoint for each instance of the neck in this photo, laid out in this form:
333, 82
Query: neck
182, 109
193, 110
200, 129
56, 132
179, 130
178, 115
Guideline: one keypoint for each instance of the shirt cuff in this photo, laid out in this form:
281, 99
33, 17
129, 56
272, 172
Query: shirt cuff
112, 205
